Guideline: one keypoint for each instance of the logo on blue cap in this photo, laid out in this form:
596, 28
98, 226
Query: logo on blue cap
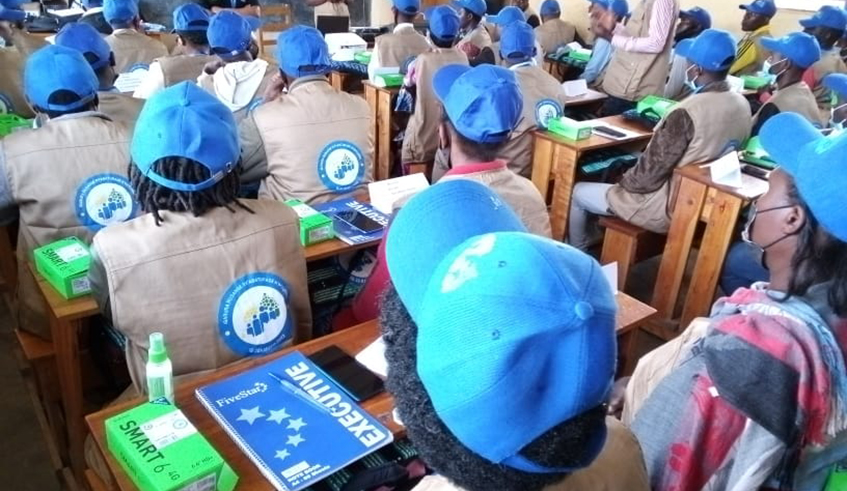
253, 316
341, 166
104, 199
545, 110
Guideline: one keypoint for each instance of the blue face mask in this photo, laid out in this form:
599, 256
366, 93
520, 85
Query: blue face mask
766, 70
837, 127
691, 83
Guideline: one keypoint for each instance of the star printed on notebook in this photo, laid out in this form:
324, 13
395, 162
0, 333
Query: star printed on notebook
282, 454
250, 415
296, 424
278, 416
295, 440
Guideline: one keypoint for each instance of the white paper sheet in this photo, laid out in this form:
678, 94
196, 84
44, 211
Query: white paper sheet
575, 88
384, 194
373, 358
128, 82
727, 170
610, 271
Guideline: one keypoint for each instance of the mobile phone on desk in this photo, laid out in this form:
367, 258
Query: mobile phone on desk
356, 380
608, 132
359, 221
752, 170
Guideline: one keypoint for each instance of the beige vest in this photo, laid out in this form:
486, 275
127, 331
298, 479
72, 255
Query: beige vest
119, 107
133, 48
319, 143
180, 68
395, 48
619, 467
633, 76
542, 97
720, 119
554, 33
190, 279
797, 98
330, 9
829, 63
50, 171
421, 139
12, 99
479, 37
518, 192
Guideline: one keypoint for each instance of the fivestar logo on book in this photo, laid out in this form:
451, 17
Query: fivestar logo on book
258, 388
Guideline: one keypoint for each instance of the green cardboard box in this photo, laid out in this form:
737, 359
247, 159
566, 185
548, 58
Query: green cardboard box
363, 57
658, 105
570, 128
314, 226
753, 82
580, 54
160, 450
64, 264
386, 80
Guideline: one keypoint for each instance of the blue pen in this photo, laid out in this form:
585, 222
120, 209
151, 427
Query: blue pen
298, 392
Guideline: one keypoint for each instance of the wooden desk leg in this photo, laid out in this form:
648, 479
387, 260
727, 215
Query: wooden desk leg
336, 80
371, 97
565, 174
383, 136
65, 341
542, 164
686, 216
716, 240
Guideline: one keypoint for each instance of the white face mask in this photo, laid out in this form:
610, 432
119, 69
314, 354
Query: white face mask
766, 70
691, 83
839, 126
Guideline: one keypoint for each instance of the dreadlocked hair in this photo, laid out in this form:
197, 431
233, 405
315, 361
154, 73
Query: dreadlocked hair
154, 197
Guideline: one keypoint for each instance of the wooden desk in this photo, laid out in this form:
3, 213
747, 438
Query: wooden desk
699, 200
379, 99
590, 101
631, 313
562, 71
556, 158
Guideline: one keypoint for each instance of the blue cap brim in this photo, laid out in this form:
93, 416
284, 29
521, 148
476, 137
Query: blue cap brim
772, 44
809, 23
12, 15
683, 48
836, 82
444, 79
784, 136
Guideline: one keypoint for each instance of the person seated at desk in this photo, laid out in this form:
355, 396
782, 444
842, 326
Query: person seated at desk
62, 176
543, 97
482, 107
837, 83
792, 56
827, 26
711, 122
18, 47
602, 52
191, 21
420, 142
85, 39
200, 258
486, 338
506, 17
329, 8
474, 39
404, 42
94, 17
691, 23
554, 32
132, 48
530, 17
237, 78
751, 55
315, 143
243, 7
752, 397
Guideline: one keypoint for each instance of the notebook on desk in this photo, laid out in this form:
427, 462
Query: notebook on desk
295, 438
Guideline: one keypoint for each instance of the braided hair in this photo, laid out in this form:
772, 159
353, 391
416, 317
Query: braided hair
154, 197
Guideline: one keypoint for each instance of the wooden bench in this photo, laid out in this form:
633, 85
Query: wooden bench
627, 244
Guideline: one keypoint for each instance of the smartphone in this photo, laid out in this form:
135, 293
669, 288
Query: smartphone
359, 221
606, 131
755, 171
359, 382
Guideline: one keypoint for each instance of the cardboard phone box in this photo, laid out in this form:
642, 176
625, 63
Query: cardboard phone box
570, 128
161, 450
64, 264
314, 226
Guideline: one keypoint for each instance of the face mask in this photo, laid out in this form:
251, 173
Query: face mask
766, 70
837, 127
747, 234
690, 83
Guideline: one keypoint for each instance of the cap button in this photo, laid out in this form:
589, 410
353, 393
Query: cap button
584, 310
185, 103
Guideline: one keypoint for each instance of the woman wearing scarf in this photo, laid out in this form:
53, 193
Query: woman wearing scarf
755, 397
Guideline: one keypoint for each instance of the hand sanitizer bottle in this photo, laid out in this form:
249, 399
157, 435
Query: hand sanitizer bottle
160, 374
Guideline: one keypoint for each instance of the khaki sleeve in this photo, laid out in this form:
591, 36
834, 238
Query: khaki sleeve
254, 161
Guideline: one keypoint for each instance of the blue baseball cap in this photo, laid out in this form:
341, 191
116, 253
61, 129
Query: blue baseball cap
802, 49
53, 68
85, 39
713, 50
836, 82
90, 4
230, 33
761, 7
11, 14
478, 7
507, 15
191, 17
483, 103
698, 14
827, 16
517, 42
301, 51
186, 121
619, 7
410, 7
120, 11
550, 8
443, 22
802, 151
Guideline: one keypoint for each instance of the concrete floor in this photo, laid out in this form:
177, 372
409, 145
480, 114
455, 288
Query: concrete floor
26, 466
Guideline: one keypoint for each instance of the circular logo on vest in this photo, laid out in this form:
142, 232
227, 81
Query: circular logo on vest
341, 166
362, 269
104, 199
138, 66
6, 106
545, 110
253, 315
